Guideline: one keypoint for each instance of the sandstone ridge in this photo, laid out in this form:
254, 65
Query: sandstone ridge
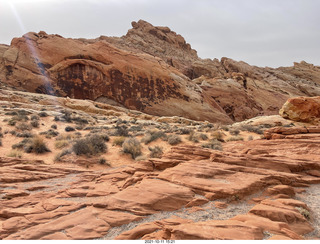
154, 70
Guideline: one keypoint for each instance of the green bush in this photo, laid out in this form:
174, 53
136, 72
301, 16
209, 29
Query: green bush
132, 146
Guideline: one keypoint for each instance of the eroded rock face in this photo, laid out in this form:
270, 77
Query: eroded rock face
162, 194
154, 70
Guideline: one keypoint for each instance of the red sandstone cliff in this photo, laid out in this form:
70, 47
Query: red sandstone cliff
154, 70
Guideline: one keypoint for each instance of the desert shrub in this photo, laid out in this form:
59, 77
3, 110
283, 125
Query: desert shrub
91, 145
251, 128
235, 138
136, 128
67, 115
61, 154
213, 144
155, 152
217, 135
50, 133
25, 134
132, 146
12, 113
225, 127
1, 134
21, 144
174, 139
34, 123
118, 141
69, 128
12, 122
61, 144
35, 117
37, 145
152, 135
67, 136
13, 132
250, 138
122, 131
43, 114
203, 137
0, 142
56, 118
80, 120
54, 126
15, 154
103, 161
234, 132
194, 137
184, 131
23, 126
304, 212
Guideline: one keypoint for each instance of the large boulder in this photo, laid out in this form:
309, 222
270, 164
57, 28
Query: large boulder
302, 109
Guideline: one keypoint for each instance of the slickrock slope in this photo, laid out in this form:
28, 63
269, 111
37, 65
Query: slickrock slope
161, 198
154, 70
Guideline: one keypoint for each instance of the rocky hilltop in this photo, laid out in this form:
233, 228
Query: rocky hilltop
153, 70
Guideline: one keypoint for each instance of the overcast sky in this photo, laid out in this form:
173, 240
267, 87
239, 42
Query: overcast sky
260, 32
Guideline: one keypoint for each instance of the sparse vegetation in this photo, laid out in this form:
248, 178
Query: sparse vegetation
69, 128
61, 154
132, 146
43, 114
61, 144
37, 145
50, 133
252, 128
304, 212
217, 135
23, 126
118, 141
54, 126
234, 132
35, 117
153, 135
21, 144
34, 123
213, 144
25, 134
155, 152
15, 154
174, 139
91, 145
235, 138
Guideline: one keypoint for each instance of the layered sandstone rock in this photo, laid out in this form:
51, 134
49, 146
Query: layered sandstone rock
302, 109
154, 70
162, 194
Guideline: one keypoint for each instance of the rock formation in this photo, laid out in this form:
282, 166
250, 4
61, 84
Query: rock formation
303, 109
155, 195
154, 70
